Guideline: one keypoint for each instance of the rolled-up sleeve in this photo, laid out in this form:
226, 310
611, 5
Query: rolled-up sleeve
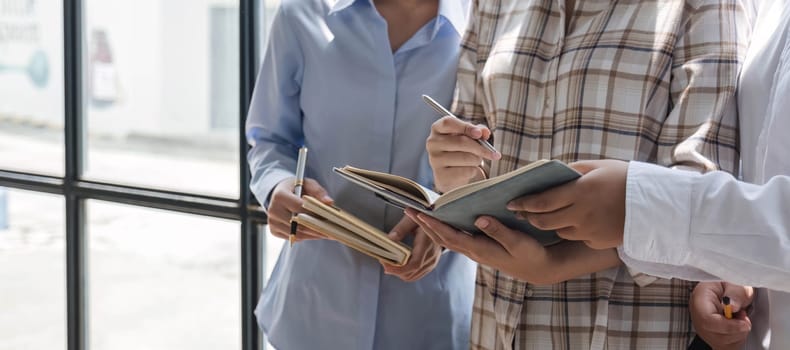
700, 131
274, 121
686, 225
468, 98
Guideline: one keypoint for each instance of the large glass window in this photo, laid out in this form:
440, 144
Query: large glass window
161, 91
31, 86
32, 271
161, 280
161, 88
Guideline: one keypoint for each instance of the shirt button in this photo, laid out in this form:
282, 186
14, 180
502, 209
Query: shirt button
548, 102
530, 292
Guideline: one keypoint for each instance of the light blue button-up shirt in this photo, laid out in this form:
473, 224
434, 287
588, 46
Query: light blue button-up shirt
330, 80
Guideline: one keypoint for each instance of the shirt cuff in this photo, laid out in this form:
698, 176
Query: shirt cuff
640, 278
663, 270
263, 184
658, 214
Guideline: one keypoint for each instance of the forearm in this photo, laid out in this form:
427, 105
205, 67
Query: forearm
273, 127
573, 259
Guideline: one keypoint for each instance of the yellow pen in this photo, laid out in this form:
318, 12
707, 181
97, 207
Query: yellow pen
727, 307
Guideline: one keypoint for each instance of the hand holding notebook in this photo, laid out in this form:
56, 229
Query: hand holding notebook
351, 231
460, 207
395, 257
284, 204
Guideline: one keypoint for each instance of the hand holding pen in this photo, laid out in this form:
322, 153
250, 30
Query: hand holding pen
457, 149
718, 311
285, 202
446, 113
301, 163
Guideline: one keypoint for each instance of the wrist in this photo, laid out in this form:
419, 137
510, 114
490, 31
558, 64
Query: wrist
557, 268
572, 259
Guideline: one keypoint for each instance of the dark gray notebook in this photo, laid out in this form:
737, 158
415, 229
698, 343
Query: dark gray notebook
463, 205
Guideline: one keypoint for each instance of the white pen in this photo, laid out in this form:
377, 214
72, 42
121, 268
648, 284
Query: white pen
301, 162
443, 111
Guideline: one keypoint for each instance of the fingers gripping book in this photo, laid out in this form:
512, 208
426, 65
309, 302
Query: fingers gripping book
461, 206
351, 231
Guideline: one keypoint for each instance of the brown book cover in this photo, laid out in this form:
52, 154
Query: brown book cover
347, 229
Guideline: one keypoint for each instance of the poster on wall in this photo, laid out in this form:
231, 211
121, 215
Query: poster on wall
20, 42
103, 79
31, 62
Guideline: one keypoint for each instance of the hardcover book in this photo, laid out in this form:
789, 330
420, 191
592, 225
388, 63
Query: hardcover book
351, 231
461, 206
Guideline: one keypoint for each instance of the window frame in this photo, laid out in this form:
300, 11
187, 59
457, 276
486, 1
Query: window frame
76, 190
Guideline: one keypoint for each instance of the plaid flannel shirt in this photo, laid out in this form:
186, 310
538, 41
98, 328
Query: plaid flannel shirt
649, 80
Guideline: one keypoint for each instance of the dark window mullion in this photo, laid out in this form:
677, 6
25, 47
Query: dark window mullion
161, 199
77, 320
76, 276
31, 182
251, 246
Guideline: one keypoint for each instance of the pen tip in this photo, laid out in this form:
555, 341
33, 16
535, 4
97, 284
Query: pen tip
726, 300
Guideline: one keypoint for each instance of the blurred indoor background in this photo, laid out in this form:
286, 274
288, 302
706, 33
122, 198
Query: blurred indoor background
147, 189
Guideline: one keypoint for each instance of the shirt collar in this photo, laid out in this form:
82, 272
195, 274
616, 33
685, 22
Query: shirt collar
340, 5
455, 11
